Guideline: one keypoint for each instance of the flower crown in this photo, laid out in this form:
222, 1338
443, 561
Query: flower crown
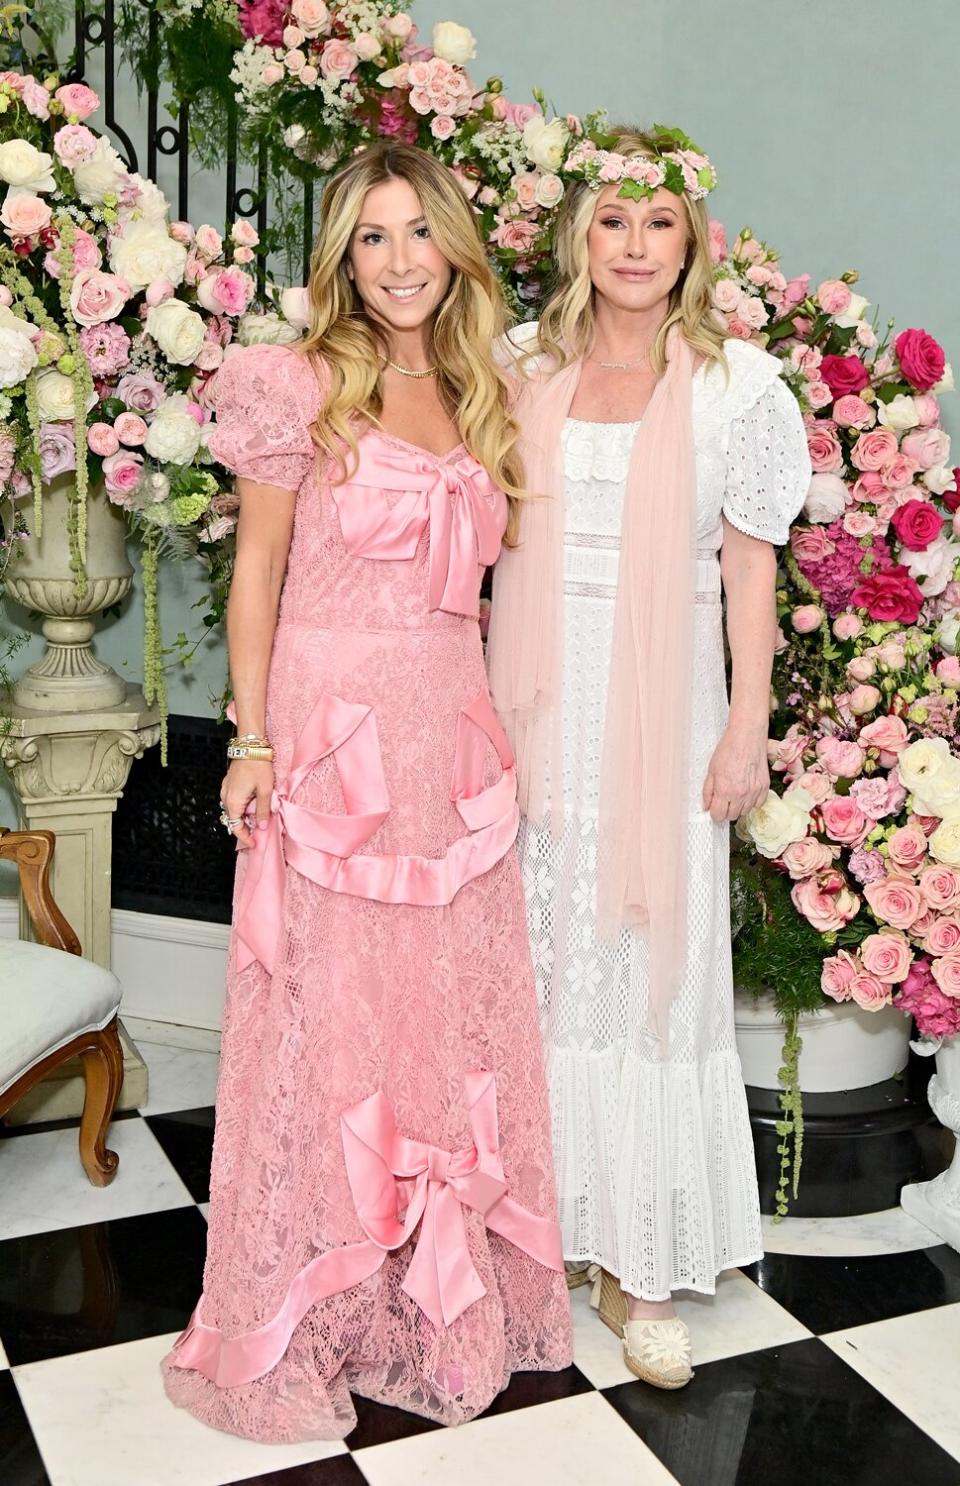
681, 169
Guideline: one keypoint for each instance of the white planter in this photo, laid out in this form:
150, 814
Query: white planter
937, 1203
843, 1047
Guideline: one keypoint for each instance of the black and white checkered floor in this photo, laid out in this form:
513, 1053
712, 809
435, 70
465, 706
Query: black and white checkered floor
836, 1360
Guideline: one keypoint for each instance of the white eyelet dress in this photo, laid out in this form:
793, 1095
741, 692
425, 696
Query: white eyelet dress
654, 1159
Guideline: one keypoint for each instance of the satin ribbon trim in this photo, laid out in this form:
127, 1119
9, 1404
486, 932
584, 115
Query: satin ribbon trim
397, 1184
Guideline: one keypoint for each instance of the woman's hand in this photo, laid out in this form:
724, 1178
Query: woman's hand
739, 776
247, 787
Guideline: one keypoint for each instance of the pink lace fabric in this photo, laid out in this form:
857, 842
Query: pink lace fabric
370, 996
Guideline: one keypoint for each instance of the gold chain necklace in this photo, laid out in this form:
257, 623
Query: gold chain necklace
620, 365
406, 371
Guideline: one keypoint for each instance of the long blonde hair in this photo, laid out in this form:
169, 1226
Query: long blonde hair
472, 317
568, 325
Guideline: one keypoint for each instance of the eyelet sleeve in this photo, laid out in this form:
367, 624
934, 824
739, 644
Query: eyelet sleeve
768, 467
266, 397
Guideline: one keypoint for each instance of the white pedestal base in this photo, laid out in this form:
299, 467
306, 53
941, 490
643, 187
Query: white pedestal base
937, 1203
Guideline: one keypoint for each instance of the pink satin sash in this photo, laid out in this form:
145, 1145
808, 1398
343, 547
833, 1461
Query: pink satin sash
466, 512
396, 1184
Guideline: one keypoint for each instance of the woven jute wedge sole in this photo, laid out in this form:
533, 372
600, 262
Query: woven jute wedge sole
610, 1302
646, 1375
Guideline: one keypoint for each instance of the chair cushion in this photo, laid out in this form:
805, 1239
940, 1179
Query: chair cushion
47, 998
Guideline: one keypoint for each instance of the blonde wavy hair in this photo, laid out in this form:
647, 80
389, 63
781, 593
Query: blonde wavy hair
353, 347
568, 326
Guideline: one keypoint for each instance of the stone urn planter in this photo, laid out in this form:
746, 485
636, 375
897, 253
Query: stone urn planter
68, 677
937, 1203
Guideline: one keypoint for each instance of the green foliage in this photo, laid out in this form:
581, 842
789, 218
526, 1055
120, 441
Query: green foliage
775, 950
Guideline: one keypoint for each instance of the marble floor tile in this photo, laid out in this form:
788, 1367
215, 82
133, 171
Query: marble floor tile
20, 1460
204, 1207
187, 1138
103, 1419
571, 1442
890, 1232
834, 1294
74, 1289
739, 1318
795, 1415
180, 1078
914, 1361
43, 1185
339, 1470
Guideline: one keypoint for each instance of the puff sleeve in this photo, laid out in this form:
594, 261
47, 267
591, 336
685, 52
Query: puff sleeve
265, 399
768, 467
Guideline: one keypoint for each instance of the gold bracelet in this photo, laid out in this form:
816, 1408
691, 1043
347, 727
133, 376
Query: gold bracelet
256, 738
260, 753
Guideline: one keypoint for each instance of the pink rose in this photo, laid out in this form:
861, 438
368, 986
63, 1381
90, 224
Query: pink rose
519, 236
869, 993
874, 449
243, 255
130, 429
181, 232
338, 59
852, 412
825, 901
208, 241
887, 956
226, 291
96, 296
159, 292
806, 858
727, 295
79, 101
927, 409
209, 356
141, 391
908, 848
102, 439
367, 46
718, 241
442, 126
271, 74
312, 16
121, 476
525, 186
869, 487
886, 733
859, 524
816, 784
86, 254
58, 452
946, 972
947, 670
837, 974
293, 36
926, 447
863, 699
826, 455
898, 474
243, 234
833, 296
940, 886
811, 544
25, 215
844, 821
847, 626
807, 618
842, 760
921, 358
36, 99
896, 901
295, 60
73, 144
943, 936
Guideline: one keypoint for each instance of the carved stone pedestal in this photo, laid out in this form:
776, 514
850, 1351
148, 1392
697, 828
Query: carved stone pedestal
68, 770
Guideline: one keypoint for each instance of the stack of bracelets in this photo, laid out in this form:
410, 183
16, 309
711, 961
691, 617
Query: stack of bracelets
251, 746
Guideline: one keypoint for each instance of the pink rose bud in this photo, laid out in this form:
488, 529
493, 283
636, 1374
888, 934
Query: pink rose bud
243, 255
861, 668
293, 36
807, 618
863, 699
847, 626
366, 46
308, 74
159, 292
271, 74
181, 232
102, 439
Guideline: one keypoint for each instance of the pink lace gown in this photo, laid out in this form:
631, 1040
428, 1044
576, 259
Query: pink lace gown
381, 1058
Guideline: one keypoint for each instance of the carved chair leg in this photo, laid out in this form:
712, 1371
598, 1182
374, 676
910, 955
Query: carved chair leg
103, 1076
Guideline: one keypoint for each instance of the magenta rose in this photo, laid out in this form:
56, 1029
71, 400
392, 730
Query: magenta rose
844, 375
837, 975
943, 936
891, 595
874, 449
917, 523
79, 101
887, 956
96, 296
946, 972
869, 993
940, 886
896, 901
921, 358
844, 821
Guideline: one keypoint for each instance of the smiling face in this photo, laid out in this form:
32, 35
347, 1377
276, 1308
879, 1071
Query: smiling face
637, 248
397, 269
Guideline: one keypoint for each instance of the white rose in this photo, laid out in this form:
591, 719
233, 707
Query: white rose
899, 414
933, 567
939, 479
295, 305
100, 176
151, 202
946, 382
177, 330
293, 135
173, 436
853, 313
545, 143
549, 191
826, 499
945, 843
24, 167
931, 773
778, 821
453, 43
266, 330
145, 252
17, 356
55, 397
948, 631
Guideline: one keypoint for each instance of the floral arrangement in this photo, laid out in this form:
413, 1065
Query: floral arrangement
113, 319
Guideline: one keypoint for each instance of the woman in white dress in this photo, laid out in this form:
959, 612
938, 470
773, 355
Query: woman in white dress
671, 461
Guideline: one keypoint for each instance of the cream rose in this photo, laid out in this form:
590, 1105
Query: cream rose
266, 330
17, 356
25, 167
944, 844
899, 415
545, 143
177, 330
853, 313
100, 176
826, 499
453, 43
145, 252
55, 397
931, 773
948, 631
778, 821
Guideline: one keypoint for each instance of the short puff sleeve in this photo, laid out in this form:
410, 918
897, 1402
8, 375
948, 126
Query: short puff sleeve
768, 465
265, 398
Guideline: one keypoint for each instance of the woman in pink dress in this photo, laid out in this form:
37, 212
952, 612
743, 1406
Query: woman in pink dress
382, 1215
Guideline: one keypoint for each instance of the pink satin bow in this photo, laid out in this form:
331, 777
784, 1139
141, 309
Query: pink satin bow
466, 511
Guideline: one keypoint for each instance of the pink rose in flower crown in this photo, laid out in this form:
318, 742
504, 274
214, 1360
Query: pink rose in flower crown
807, 857
946, 972
226, 291
908, 848
917, 523
891, 595
131, 430
96, 296
887, 956
74, 144
896, 901
826, 455
837, 974
851, 411
825, 901
78, 101
940, 886
844, 375
874, 449
841, 759
844, 821
121, 476
869, 993
25, 215
833, 296
102, 439
943, 936
921, 358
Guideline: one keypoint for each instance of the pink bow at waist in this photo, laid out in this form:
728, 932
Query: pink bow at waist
465, 510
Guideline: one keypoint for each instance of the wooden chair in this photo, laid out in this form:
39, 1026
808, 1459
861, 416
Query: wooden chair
55, 1005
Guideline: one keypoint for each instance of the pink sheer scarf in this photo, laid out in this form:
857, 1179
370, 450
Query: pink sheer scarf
644, 762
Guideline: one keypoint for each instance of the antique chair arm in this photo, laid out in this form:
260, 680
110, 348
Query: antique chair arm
32, 851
